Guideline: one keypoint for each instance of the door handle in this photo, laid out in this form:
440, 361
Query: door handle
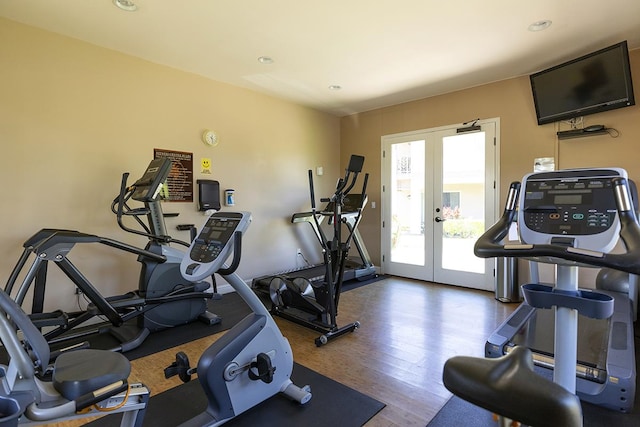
438, 219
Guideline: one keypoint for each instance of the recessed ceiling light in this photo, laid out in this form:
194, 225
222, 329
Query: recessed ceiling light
265, 60
127, 5
335, 87
540, 25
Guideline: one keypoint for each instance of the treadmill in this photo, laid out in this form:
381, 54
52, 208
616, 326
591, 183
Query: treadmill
577, 206
357, 267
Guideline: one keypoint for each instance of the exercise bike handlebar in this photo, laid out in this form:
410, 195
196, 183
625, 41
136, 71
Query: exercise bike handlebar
237, 255
490, 245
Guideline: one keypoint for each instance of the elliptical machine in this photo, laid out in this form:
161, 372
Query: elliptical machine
311, 303
163, 298
252, 361
161, 279
569, 218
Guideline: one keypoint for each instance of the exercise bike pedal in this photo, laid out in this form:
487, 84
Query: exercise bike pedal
264, 367
181, 368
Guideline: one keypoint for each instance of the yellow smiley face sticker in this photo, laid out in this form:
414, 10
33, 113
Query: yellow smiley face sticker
205, 165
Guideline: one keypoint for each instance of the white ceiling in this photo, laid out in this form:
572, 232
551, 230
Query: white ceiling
381, 52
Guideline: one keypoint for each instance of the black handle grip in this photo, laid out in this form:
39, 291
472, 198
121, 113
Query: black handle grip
364, 184
121, 196
489, 244
312, 191
237, 254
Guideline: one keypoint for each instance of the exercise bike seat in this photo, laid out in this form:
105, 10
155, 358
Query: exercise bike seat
81, 377
80, 372
509, 387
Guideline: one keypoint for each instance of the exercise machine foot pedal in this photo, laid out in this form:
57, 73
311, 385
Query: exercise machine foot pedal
54, 318
181, 367
264, 368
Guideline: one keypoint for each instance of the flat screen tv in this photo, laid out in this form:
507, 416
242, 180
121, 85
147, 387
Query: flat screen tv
593, 83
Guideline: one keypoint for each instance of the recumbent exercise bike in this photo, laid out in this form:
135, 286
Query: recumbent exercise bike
39, 386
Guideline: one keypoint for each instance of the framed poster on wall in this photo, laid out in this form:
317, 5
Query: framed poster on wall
180, 180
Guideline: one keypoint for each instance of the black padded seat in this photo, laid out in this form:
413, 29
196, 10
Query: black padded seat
83, 371
508, 386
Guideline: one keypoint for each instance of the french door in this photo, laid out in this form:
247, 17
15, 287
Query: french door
439, 191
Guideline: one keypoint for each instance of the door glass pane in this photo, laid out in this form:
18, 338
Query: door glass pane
407, 203
463, 171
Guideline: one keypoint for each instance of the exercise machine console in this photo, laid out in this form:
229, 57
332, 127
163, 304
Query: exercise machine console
569, 218
252, 361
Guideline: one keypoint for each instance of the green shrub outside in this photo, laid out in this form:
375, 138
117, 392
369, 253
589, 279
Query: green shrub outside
462, 228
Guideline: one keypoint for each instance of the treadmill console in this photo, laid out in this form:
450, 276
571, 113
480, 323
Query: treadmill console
576, 205
214, 243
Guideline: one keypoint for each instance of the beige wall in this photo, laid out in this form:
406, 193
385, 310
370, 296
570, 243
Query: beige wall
521, 139
74, 117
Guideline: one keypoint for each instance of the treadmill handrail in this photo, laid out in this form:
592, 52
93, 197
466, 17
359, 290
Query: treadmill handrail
490, 245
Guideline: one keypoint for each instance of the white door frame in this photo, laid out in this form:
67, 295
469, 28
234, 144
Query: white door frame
492, 175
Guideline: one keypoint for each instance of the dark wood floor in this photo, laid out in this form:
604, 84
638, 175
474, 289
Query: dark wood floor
408, 330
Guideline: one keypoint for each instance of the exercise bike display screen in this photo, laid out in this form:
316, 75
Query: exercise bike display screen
580, 207
214, 232
212, 239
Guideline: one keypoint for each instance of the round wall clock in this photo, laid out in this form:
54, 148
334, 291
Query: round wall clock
210, 138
